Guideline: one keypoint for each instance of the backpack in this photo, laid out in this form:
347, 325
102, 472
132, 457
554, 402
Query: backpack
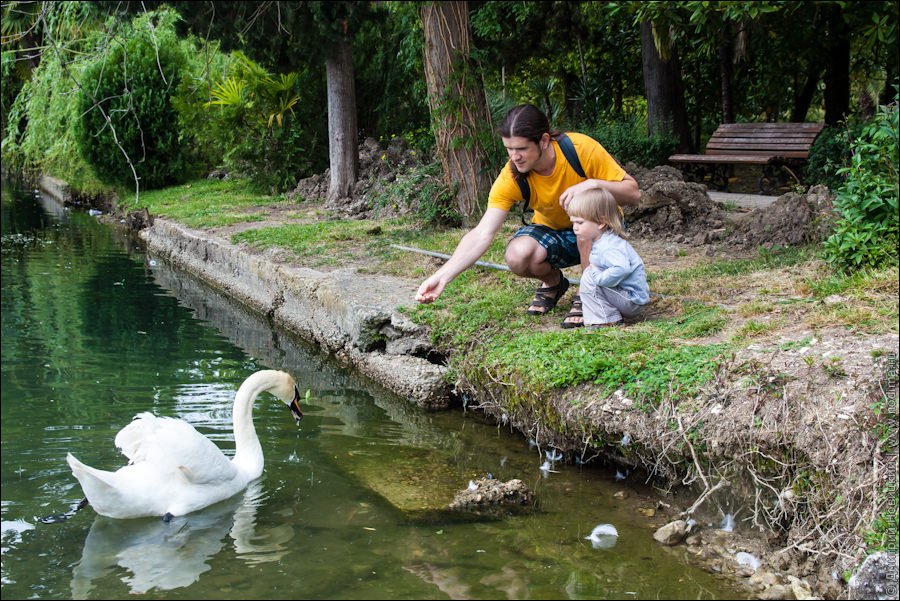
568, 150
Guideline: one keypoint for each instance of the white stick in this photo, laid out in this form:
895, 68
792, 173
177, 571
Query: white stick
431, 253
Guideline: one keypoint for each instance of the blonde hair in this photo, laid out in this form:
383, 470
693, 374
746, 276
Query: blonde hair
597, 205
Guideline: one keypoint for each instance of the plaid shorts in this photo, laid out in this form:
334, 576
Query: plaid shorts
561, 245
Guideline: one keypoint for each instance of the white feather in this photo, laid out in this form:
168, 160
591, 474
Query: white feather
603, 536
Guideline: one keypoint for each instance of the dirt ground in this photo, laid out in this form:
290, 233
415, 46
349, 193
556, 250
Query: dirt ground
787, 427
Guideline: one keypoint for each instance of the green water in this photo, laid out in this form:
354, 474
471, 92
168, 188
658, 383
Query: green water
95, 331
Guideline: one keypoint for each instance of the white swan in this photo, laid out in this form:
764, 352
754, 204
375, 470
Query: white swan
173, 469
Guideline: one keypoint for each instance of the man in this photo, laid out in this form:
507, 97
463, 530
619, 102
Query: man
542, 249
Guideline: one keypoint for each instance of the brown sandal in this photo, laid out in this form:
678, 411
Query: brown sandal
547, 297
575, 311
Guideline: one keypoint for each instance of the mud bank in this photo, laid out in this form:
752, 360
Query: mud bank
355, 318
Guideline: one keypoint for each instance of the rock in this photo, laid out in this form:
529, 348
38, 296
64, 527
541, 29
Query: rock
488, 492
763, 579
876, 578
801, 588
747, 559
672, 533
778, 591
138, 220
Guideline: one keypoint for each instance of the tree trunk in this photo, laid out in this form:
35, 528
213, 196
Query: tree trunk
804, 99
343, 146
726, 54
837, 69
458, 106
666, 113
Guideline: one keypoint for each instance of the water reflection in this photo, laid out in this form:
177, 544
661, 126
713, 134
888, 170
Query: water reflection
173, 555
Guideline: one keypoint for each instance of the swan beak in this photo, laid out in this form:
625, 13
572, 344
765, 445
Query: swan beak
295, 405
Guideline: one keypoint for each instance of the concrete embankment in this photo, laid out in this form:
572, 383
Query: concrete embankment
354, 317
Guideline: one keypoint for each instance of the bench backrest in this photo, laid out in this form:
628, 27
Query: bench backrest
788, 140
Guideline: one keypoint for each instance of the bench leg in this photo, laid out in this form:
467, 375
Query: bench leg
719, 176
769, 180
774, 177
715, 176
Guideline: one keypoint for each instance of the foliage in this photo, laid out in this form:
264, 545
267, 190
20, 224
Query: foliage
866, 233
12, 85
39, 121
254, 112
128, 126
388, 50
19, 26
829, 153
40, 136
423, 189
628, 141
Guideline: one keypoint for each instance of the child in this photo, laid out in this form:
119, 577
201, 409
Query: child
614, 284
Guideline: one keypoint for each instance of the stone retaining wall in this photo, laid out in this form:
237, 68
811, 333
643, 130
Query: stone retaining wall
352, 316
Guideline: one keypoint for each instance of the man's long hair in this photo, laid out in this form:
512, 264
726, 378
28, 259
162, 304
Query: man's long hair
525, 121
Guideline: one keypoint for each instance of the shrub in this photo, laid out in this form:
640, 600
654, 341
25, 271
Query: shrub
126, 107
264, 140
628, 141
866, 231
39, 137
829, 153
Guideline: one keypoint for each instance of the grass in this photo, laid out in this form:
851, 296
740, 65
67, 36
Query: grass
334, 243
703, 313
209, 203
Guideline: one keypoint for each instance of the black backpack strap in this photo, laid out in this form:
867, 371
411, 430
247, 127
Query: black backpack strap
526, 196
568, 149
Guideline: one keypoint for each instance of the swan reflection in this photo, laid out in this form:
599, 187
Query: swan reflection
173, 555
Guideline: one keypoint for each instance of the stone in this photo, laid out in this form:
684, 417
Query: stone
672, 533
779, 591
876, 578
489, 492
800, 588
138, 220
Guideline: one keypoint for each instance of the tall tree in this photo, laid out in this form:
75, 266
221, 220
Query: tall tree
837, 69
457, 103
666, 112
292, 35
343, 148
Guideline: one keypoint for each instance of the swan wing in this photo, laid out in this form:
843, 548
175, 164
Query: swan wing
173, 444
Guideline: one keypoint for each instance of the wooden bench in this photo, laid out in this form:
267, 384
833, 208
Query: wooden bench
777, 147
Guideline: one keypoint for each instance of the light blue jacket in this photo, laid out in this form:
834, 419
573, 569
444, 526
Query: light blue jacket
619, 266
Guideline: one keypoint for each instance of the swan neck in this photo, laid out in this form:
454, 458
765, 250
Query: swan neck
248, 455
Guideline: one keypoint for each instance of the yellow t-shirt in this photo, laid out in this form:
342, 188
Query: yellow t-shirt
546, 190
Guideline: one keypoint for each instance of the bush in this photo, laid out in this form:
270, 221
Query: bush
126, 106
866, 231
264, 139
628, 141
39, 137
829, 153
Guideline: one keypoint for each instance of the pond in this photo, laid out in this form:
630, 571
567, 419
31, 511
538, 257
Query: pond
95, 331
